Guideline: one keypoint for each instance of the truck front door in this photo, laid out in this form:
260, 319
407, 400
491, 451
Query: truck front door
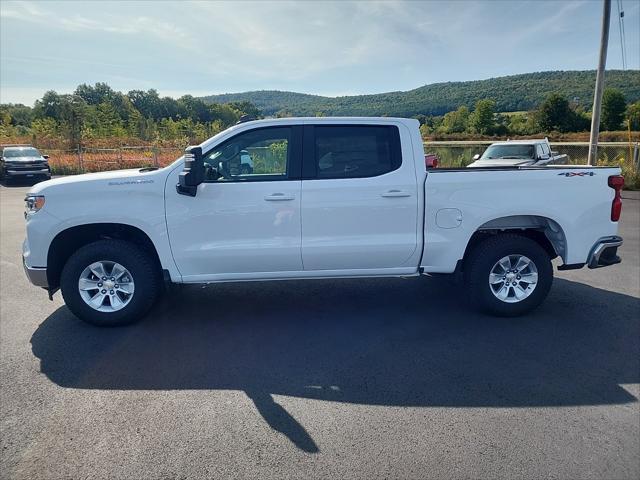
241, 224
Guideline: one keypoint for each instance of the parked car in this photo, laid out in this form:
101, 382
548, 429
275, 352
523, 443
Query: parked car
343, 197
520, 153
25, 162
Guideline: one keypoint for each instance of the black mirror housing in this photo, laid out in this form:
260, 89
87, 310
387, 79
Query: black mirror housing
193, 173
46, 157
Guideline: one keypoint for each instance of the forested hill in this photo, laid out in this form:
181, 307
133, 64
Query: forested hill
512, 93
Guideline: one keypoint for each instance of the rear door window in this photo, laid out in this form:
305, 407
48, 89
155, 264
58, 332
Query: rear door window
355, 151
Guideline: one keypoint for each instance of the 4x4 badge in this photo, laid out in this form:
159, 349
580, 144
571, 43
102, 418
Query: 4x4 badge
577, 174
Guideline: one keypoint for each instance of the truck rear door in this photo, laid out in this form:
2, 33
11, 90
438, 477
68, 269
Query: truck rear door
359, 197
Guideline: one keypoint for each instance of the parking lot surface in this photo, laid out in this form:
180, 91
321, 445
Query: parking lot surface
324, 379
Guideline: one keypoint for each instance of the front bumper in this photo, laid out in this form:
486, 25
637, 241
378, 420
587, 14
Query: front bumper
605, 252
36, 275
28, 173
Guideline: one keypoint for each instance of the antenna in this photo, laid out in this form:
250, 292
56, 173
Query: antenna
245, 118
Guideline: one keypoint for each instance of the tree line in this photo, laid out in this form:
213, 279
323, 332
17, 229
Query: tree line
555, 114
97, 112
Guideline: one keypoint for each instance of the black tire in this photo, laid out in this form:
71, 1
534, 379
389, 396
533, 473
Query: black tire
137, 261
481, 261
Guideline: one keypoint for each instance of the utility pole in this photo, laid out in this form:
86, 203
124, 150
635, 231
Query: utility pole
597, 96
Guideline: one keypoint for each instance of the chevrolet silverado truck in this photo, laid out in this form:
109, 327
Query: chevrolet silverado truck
519, 153
325, 198
23, 162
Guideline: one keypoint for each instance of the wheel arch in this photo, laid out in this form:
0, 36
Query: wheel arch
66, 242
543, 230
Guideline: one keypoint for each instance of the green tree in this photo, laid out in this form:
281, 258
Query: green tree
555, 114
633, 116
517, 124
109, 123
482, 120
147, 103
42, 128
613, 109
100, 93
456, 121
247, 108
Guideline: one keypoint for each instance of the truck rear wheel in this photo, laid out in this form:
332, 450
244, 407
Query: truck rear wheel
508, 275
109, 283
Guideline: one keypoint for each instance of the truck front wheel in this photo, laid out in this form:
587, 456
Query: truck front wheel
109, 283
508, 275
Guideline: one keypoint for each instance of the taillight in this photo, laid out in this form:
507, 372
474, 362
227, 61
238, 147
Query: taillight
616, 182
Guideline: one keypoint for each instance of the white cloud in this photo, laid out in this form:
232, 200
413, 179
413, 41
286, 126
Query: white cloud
310, 46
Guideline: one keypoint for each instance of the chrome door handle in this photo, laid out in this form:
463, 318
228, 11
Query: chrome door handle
395, 193
278, 197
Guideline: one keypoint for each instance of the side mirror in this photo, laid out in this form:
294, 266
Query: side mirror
46, 157
193, 173
476, 157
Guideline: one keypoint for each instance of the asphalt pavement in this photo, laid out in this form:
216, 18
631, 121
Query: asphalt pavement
368, 378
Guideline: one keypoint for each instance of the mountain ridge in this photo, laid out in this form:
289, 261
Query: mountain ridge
511, 93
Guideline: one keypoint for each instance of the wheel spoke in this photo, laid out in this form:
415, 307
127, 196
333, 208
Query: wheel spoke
519, 292
97, 301
530, 278
116, 303
523, 262
88, 284
117, 271
98, 269
125, 288
505, 264
496, 278
503, 292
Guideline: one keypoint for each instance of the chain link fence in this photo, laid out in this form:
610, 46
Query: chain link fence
82, 160
451, 154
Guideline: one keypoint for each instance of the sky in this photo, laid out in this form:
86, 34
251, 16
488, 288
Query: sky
328, 48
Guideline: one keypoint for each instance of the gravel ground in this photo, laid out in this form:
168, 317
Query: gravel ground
324, 379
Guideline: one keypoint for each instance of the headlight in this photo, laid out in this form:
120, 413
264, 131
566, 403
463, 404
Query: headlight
33, 203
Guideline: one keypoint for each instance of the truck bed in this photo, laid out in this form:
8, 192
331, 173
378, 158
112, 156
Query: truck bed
569, 204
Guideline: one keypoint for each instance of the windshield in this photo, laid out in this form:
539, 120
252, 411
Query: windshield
20, 152
508, 152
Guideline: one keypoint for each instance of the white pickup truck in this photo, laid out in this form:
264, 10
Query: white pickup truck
518, 153
325, 198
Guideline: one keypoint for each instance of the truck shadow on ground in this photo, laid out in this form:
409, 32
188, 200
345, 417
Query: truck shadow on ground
378, 342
